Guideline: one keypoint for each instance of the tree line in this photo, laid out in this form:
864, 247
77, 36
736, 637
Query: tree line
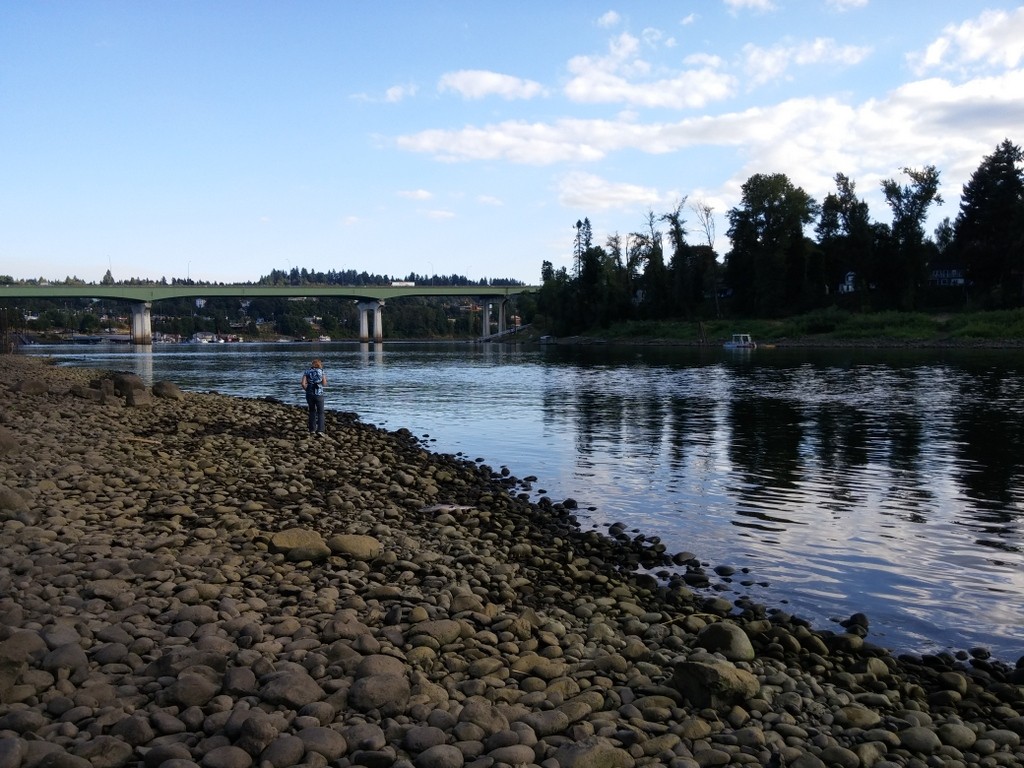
420, 317
774, 268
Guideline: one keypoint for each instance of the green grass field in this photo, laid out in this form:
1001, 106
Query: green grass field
836, 326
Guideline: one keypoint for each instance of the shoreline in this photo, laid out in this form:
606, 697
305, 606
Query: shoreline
239, 591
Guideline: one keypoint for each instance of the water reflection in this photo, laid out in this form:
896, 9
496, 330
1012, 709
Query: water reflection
862, 476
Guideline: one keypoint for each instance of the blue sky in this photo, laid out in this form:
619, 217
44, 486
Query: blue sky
221, 140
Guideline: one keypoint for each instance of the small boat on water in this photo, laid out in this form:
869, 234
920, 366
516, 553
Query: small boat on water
740, 341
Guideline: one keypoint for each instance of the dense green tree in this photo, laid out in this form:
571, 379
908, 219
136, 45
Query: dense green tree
584, 241
767, 268
989, 230
89, 323
685, 277
909, 204
655, 299
845, 238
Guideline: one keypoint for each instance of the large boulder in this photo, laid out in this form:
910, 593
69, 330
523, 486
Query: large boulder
299, 544
356, 546
713, 683
728, 639
125, 382
167, 390
138, 397
38, 386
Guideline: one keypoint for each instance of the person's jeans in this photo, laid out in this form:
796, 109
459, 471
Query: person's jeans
315, 404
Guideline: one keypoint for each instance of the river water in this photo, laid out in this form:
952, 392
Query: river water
884, 481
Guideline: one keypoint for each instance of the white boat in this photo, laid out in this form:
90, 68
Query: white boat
740, 341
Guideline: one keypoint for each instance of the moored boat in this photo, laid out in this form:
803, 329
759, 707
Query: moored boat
740, 341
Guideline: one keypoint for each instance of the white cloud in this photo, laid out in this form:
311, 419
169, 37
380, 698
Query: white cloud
688, 20
766, 64
995, 39
928, 122
440, 214
735, 6
608, 19
415, 194
515, 141
621, 77
587, 192
846, 5
398, 93
478, 84
489, 200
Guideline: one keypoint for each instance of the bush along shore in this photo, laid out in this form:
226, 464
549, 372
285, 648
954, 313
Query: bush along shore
190, 579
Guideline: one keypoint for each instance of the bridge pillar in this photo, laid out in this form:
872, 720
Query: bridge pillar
365, 308
486, 303
142, 323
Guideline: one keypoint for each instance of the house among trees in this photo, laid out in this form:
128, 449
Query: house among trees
947, 274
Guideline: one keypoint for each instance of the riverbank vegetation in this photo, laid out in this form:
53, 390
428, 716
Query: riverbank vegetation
857, 278
834, 327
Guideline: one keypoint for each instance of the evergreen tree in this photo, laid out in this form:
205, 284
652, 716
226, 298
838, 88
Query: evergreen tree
989, 230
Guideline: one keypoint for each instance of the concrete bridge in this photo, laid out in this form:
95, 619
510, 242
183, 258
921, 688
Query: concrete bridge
370, 299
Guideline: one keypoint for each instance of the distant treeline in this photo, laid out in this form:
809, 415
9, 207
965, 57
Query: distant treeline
775, 269
299, 318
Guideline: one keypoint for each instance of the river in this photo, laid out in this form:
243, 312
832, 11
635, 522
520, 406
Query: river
835, 481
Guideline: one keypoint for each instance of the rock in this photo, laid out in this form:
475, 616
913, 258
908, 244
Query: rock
857, 716
357, 547
323, 741
104, 752
32, 386
283, 752
11, 752
167, 390
292, 687
422, 737
441, 756
137, 397
728, 639
11, 502
713, 683
8, 442
483, 713
444, 631
227, 756
193, 688
920, 739
365, 736
125, 383
387, 693
70, 658
957, 735
299, 544
593, 752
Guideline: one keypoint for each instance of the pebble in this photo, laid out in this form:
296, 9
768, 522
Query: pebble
182, 583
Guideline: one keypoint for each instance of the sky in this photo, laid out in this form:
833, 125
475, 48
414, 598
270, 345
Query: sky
217, 141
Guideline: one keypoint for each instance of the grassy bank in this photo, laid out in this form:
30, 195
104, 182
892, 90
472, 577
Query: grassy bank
833, 326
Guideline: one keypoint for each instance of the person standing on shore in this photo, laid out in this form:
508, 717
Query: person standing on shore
313, 382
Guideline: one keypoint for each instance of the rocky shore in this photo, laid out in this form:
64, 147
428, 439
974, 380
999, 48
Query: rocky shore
191, 580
